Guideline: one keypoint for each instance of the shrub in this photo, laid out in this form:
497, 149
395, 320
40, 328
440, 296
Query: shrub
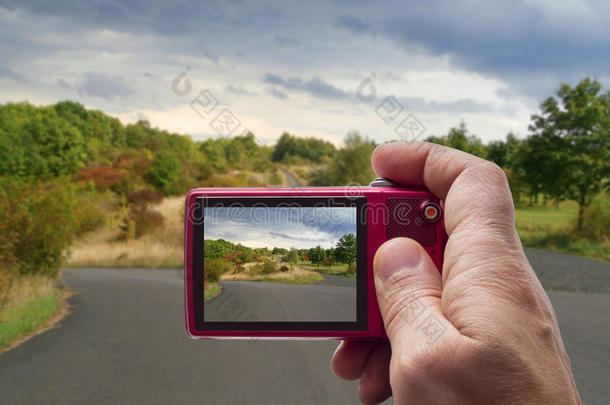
214, 268
104, 177
145, 220
145, 197
37, 224
269, 266
596, 221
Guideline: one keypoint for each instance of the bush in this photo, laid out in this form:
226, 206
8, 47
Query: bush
145, 197
37, 224
104, 177
214, 268
284, 268
269, 266
141, 220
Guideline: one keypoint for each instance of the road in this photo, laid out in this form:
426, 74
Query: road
292, 180
124, 343
283, 302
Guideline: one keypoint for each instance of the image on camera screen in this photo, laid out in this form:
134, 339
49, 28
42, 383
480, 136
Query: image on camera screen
280, 263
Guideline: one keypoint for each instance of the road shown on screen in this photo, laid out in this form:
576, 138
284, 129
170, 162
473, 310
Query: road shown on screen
124, 342
334, 300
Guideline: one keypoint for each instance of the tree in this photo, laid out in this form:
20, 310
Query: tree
328, 261
316, 255
351, 165
458, 138
345, 251
292, 257
164, 172
576, 131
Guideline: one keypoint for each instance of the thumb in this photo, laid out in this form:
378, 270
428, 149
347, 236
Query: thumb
409, 289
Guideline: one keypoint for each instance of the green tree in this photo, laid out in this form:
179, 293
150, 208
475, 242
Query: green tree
345, 251
352, 164
459, 138
316, 255
576, 132
292, 257
164, 172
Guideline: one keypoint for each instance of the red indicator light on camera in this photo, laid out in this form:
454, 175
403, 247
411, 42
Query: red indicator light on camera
431, 212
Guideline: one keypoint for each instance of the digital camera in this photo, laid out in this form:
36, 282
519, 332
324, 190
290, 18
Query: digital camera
296, 262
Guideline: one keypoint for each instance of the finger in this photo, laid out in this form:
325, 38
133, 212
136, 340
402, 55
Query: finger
479, 214
350, 357
374, 385
408, 288
480, 186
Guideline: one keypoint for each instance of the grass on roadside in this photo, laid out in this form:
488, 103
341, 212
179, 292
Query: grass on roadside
210, 291
339, 269
29, 305
296, 276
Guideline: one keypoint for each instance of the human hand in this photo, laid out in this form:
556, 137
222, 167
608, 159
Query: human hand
482, 333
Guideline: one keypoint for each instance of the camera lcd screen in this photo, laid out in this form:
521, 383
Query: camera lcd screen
281, 263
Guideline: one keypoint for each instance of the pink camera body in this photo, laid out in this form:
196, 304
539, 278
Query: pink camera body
341, 306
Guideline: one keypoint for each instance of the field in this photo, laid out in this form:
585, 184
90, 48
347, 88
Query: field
339, 269
546, 227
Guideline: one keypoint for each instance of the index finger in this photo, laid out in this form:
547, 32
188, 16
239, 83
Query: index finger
474, 190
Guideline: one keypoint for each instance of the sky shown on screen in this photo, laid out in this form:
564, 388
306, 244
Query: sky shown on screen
301, 228
296, 66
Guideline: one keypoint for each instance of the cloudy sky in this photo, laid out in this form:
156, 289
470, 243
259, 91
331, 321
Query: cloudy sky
300, 66
284, 227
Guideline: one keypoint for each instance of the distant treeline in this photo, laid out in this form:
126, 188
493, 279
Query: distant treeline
222, 256
62, 167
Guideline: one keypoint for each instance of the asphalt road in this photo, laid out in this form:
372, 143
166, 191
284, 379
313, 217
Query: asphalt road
241, 300
124, 342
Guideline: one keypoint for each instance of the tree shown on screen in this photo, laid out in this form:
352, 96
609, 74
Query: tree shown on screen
345, 251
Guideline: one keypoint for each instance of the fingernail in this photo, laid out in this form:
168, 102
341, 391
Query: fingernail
396, 255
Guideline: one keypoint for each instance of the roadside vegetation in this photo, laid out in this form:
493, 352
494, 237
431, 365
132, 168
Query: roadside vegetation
30, 303
224, 260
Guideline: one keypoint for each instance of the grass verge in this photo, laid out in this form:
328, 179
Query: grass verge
210, 291
336, 270
296, 276
33, 304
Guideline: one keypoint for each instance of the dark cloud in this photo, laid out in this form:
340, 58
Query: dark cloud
276, 93
5, 71
239, 91
315, 86
318, 88
64, 84
285, 41
104, 86
495, 36
353, 24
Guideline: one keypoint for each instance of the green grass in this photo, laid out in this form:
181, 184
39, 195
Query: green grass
210, 291
339, 269
546, 227
32, 302
315, 278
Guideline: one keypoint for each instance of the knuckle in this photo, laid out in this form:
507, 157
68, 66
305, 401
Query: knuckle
419, 368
